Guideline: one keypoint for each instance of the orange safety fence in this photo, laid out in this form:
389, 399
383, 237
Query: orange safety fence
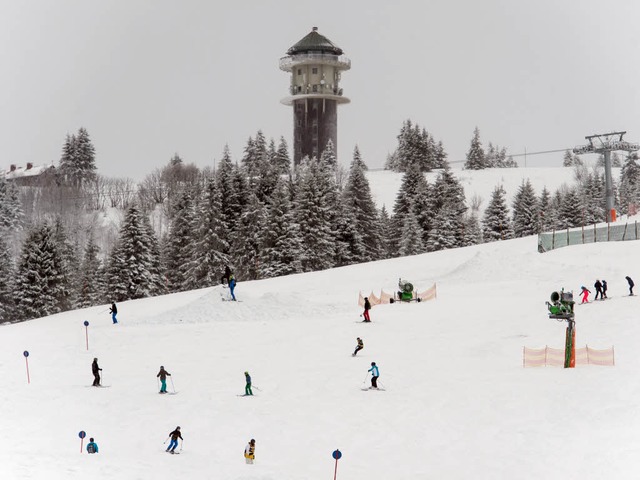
384, 297
554, 357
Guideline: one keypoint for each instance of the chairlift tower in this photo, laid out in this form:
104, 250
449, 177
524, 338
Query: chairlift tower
315, 64
606, 143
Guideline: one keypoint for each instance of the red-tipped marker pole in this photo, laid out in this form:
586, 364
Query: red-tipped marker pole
26, 359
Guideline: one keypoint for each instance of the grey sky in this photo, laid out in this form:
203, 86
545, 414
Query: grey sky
148, 78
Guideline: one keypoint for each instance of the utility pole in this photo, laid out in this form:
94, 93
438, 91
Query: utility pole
606, 143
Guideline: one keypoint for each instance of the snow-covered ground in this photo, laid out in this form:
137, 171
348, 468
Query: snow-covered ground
457, 405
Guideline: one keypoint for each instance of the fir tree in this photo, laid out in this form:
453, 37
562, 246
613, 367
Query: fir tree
411, 239
11, 214
7, 275
570, 213
413, 181
571, 160
629, 185
69, 264
525, 211
349, 244
447, 192
328, 155
225, 175
443, 234
134, 264
41, 285
282, 159
78, 163
282, 246
546, 213
91, 275
472, 232
495, 223
475, 155
180, 244
386, 250
209, 260
247, 239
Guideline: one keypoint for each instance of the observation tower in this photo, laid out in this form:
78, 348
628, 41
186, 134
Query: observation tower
315, 64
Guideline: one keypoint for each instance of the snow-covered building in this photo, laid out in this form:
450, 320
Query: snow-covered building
29, 175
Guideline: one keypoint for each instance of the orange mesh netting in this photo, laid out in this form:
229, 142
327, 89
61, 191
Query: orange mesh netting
554, 357
428, 294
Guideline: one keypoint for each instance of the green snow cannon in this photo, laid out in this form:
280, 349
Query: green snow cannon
561, 306
405, 293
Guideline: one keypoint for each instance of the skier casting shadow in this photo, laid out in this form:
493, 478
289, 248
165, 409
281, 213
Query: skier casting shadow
95, 369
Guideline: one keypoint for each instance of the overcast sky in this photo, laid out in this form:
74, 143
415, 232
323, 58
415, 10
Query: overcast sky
148, 78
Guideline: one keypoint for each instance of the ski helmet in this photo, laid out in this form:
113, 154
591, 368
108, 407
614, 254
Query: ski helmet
252, 441
373, 364
177, 428
162, 366
246, 373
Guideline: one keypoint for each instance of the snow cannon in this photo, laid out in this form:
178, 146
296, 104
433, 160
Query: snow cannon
405, 292
561, 305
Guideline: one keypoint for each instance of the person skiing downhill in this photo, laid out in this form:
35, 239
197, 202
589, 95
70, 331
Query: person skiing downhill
367, 307
247, 387
250, 452
631, 285
175, 435
163, 379
598, 287
359, 347
585, 294
113, 311
95, 369
232, 286
92, 447
375, 373
604, 289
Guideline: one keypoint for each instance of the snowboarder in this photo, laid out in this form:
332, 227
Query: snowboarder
604, 289
175, 435
227, 275
163, 379
232, 286
375, 373
631, 285
598, 287
96, 372
367, 307
113, 311
250, 452
92, 447
585, 294
247, 387
359, 347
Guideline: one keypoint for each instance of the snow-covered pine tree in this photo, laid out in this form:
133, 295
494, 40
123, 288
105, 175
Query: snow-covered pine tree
349, 243
472, 234
68, 160
570, 213
411, 236
630, 185
69, 265
282, 247
440, 157
447, 191
413, 181
41, 287
314, 215
357, 197
443, 234
179, 251
7, 275
248, 238
615, 160
78, 162
496, 224
570, 159
209, 260
525, 211
282, 160
11, 214
475, 155
546, 212
385, 234
328, 156
134, 264
91, 275
225, 175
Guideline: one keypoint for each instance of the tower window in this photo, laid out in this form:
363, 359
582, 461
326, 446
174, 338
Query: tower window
315, 88
299, 71
314, 70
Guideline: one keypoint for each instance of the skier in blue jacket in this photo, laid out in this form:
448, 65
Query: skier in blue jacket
375, 373
92, 447
232, 286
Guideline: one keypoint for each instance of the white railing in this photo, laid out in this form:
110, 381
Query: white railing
290, 61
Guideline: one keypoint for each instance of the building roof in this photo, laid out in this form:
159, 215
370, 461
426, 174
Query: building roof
28, 171
314, 42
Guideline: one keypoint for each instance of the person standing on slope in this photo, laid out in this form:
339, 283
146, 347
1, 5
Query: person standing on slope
95, 369
247, 387
163, 379
92, 447
359, 347
175, 435
113, 311
604, 289
375, 373
250, 452
227, 275
367, 307
598, 287
585, 294
232, 286
631, 285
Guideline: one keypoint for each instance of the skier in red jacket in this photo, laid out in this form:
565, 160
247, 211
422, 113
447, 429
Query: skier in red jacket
585, 294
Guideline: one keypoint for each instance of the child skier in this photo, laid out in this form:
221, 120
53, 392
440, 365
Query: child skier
367, 307
175, 435
232, 286
631, 284
247, 387
95, 369
250, 452
585, 294
163, 379
227, 275
359, 347
598, 287
113, 311
92, 447
375, 373
604, 289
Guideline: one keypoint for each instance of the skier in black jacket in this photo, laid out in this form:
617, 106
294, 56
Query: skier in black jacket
175, 435
631, 284
598, 287
96, 372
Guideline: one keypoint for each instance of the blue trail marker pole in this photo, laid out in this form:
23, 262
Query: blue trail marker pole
26, 355
82, 434
86, 331
336, 454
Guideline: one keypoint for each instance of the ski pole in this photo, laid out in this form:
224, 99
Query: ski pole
166, 440
259, 389
158, 382
181, 444
172, 385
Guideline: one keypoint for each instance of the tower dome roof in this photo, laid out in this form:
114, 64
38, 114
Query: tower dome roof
314, 42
